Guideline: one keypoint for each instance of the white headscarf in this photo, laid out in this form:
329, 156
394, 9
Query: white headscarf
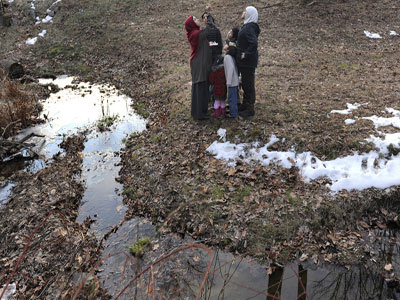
251, 15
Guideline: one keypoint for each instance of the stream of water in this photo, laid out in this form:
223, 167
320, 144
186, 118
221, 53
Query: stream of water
80, 107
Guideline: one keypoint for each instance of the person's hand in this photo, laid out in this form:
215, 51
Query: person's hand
243, 55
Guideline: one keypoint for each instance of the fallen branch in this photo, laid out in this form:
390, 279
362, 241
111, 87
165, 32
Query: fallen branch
12, 123
28, 137
9, 149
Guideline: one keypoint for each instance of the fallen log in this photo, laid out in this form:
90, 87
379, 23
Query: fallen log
11, 149
13, 69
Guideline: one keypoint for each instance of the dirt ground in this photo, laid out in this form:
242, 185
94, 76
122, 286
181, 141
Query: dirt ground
314, 57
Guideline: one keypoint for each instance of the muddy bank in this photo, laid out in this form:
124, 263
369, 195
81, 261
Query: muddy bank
247, 207
42, 247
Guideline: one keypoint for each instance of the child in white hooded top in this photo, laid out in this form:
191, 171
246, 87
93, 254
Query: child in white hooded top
231, 73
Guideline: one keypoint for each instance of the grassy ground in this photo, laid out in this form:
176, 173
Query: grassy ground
313, 59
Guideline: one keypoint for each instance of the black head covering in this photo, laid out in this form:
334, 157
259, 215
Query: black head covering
210, 20
235, 33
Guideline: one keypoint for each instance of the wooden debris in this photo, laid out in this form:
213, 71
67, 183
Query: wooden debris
10, 149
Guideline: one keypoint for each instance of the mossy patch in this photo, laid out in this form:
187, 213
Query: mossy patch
393, 150
140, 109
242, 193
106, 122
137, 248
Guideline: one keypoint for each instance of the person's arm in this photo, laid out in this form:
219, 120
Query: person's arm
219, 41
252, 41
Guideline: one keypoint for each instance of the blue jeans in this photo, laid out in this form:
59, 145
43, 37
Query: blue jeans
232, 100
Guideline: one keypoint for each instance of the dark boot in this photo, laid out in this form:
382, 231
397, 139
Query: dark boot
242, 106
248, 112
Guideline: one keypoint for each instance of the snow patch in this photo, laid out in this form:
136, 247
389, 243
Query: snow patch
11, 289
381, 121
349, 121
350, 107
354, 172
222, 134
48, 19
372, 35
31, 41
43, 33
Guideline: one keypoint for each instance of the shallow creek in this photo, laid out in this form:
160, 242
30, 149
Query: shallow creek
81, 108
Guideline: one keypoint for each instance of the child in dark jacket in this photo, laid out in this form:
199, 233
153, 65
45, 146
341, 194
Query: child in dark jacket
217, 78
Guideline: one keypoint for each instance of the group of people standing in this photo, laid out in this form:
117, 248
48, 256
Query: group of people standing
215, 77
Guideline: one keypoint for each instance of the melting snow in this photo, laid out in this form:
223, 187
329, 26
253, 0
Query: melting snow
349, 121
392, 32
11, 289
31, 41
47, 19
43, 33
381, 121
222, 134
347, 111
372, 35
358, 171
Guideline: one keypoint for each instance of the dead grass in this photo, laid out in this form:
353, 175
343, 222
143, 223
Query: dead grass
16, 106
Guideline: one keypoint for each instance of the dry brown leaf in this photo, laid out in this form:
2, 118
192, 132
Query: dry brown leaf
365, 225
231, 171
388, 267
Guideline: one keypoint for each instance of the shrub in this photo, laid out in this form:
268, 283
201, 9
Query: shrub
16, 106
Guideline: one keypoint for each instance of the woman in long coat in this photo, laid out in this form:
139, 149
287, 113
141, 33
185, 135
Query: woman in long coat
247, 59
200, 65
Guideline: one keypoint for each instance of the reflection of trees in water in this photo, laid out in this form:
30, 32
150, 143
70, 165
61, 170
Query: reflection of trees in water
357, 283
242, 278
295, 282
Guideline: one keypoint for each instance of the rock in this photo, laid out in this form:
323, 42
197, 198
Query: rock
13, 68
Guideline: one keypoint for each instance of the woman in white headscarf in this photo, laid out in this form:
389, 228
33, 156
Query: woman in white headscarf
247, 59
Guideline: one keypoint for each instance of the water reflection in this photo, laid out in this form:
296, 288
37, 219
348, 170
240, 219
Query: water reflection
79, 106
328, 282
231, 277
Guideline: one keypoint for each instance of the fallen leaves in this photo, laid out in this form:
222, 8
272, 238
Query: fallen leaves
388, 267
59, 245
